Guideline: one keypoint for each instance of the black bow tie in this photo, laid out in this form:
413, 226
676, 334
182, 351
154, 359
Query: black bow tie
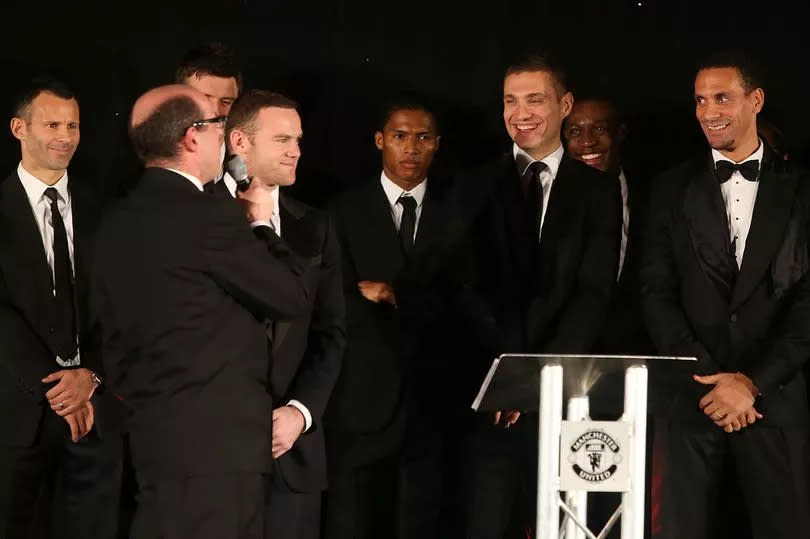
749, 170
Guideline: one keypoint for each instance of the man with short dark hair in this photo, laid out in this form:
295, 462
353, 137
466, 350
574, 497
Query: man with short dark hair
725, 279
544, 231
264, 129
56, 457
211, 69
182, 291
385, 447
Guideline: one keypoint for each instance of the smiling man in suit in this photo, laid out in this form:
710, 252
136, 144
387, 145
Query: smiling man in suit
53, 460
383, 443
544, 248
264, 128
725, 279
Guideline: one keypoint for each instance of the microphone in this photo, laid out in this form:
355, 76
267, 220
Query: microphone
238, 170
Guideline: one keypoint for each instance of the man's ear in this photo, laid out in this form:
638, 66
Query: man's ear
378, 140
238, 142
18, 128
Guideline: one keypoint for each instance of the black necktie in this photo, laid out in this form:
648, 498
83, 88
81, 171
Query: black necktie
408, 223
724, 169
535, 196
64, 325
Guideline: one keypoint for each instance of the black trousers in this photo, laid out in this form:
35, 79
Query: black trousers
57, 488
211, 506
500, 488
291, 515
400, 496
771, 469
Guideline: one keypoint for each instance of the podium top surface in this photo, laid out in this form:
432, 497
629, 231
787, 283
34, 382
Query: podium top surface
513, 380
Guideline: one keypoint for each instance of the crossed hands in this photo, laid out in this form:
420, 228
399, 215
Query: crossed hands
70, 399
730, 404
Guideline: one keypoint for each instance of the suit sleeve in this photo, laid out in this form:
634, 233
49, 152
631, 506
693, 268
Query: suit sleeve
666, 320
265, 276
320, 367
583, 315
22, 353
787, 347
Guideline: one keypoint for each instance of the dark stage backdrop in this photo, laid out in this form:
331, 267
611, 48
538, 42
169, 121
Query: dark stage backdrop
340, 58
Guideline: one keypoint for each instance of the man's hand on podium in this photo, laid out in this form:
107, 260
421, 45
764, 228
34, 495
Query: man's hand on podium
730, 404
507, 419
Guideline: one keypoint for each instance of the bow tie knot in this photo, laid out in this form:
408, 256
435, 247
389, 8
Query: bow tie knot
725, 169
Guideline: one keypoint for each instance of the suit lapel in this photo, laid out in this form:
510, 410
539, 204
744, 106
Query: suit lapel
33, 282
299, 238
706, 220
514, 207
772, 210
383, 239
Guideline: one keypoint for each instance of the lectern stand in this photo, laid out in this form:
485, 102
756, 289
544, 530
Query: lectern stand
577, 456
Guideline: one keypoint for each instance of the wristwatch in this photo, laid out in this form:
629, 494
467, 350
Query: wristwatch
95, 378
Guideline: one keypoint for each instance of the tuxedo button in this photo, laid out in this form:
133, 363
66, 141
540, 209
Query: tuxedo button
52, 330
733, 318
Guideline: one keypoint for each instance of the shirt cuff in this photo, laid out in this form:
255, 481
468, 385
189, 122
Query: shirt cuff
304, 411
254, 224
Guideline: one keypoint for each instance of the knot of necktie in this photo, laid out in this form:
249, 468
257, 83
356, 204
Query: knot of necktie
407, 202
725, 169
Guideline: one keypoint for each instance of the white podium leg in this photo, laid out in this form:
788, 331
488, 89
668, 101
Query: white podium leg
548, 455
578, 410
635, 412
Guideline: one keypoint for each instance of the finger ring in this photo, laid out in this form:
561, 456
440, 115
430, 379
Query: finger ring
61, 405
717, 413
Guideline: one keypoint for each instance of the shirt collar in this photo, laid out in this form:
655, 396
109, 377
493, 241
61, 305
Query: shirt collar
552, 160
393, 191
717, 156
35, 188
230, 183
193, 179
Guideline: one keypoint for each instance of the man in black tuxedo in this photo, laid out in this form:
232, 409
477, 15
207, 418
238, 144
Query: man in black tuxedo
725, 279
383, 441
183, 288
545, 232
264, 128
59, 477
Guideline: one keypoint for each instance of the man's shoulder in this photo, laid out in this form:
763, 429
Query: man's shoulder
351, 200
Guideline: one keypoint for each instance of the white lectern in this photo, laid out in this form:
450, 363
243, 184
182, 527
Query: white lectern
577, 456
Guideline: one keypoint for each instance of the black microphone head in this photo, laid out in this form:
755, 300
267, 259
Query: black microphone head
238, 170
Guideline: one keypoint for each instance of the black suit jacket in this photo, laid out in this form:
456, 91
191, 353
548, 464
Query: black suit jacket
307, 352
26, 351
696, 303
393, 355
549, 299
182, 288
625, 331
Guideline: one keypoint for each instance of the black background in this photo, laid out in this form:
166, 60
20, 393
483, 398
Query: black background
340, 58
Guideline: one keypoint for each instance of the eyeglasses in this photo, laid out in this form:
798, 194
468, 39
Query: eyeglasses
215, 120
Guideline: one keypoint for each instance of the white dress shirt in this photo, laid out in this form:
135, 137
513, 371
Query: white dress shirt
230, 183
625, 221
552, 161
275, 218
41, 208
739, 195
393, 192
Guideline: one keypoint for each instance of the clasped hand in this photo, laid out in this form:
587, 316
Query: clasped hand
730, 404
